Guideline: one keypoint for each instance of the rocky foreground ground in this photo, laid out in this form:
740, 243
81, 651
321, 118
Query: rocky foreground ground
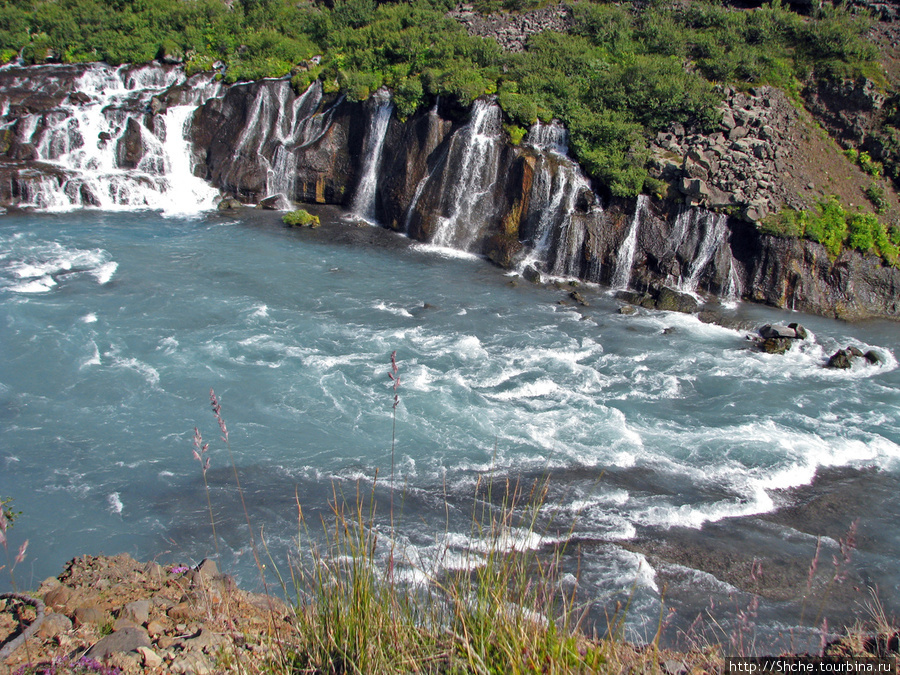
147, 618
113, 615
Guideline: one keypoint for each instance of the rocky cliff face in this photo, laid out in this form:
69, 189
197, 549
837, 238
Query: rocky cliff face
97, 136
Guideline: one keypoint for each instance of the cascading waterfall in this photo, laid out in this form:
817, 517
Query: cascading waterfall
625, 257
475, 173
551, 137
715, 229
363, 204
82, 139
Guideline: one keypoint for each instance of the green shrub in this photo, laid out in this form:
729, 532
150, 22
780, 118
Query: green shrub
300, 218
875, 194
869, 165
516, 133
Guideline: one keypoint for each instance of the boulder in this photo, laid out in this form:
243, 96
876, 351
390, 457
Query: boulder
670, 300
799, 330
531, 273
873, 357
272, 203
840, 359
776, 345
229, 204
54, 624
138, 612
777, 331
126, 640
90, 615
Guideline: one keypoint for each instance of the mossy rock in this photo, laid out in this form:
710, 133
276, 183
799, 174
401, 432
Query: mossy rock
300, 218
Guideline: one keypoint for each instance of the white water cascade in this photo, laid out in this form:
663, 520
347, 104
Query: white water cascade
558, 182
363, 204
715, 229
95, 148
475, 167
296, 126
625, 257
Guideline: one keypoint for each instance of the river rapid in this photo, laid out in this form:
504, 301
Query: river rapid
681, 465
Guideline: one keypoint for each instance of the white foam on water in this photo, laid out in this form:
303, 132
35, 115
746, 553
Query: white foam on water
395, 310
543, 387
89, 318
105, 272
146, 371
94, 359
446, 252
115, 502
41, 285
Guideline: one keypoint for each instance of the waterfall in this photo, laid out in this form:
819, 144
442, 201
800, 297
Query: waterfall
552, 137
625, 257
363, 204
554, 193
96, 150
474, 159
715, 229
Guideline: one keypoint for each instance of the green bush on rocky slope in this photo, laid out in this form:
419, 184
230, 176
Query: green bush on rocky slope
621, 73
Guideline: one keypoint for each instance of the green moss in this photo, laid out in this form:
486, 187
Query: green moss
300, 218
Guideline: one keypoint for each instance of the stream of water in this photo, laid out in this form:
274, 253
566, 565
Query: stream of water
649, 428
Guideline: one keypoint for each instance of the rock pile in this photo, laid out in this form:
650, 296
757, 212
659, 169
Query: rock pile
843, 358
777, 339
742, 163
145, 618
512, 30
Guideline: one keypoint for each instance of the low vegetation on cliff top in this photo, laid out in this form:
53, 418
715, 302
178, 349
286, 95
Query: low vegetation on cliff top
619, 74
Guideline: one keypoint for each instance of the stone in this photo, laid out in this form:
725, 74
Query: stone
855, 352
137, 612
191, 662
156, 628
90, 615
776, 345
737, 133
229, 204
670, 300
57, 598
530, 273
799, 331
756, 211
183, 611
627, 310
153, 569
125, 640
54, 624
577, 297
206, 640
873, 357
674, 667
840, 359
149, 658
270, 203
124, 663
777, 331
728, 122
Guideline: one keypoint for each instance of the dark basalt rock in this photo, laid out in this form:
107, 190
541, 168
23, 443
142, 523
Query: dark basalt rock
130, 149
840, 359
776, 345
